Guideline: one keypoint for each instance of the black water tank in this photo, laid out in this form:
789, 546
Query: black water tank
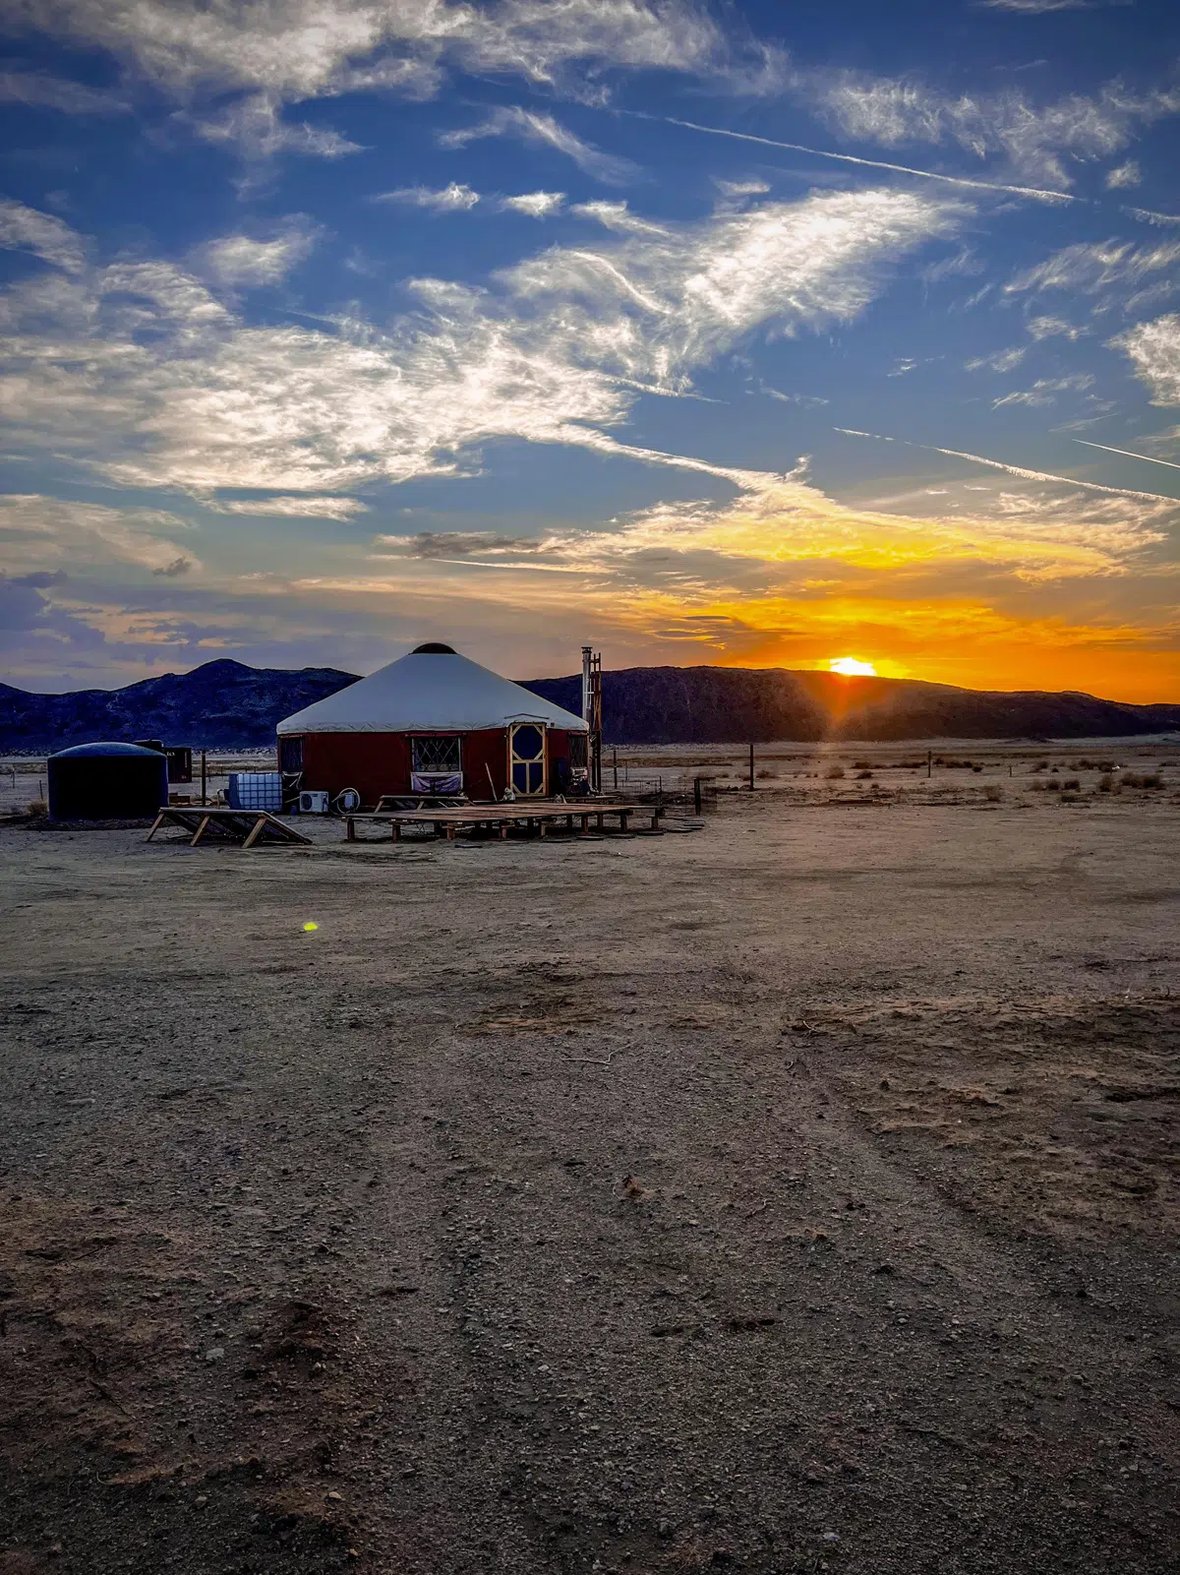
107, 782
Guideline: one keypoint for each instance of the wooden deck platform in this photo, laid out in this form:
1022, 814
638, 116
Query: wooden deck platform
501, 817
245, 827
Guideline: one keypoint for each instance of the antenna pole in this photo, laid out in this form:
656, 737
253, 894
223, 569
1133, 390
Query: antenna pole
592, 713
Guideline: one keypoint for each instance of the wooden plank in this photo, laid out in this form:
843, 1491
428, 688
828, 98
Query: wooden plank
259, 828
156, 824
200, 831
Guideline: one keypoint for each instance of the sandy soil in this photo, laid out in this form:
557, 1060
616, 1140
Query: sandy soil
795, 1195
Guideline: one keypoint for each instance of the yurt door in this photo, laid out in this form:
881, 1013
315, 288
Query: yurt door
526, 759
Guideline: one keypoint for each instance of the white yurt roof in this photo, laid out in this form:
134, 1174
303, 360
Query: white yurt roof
433, 689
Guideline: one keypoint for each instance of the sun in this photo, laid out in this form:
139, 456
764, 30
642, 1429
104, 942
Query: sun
852, 667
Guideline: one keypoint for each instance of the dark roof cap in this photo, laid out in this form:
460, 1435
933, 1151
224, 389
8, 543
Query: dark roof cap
434, 648
99, 751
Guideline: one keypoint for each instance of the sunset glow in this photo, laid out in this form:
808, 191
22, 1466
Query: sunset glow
560, 383
852, 667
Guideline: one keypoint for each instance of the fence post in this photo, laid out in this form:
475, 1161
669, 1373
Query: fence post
204, 777
696, 795
751, 768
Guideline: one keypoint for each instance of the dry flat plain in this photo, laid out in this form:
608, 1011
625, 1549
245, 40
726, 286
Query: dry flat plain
795, 1195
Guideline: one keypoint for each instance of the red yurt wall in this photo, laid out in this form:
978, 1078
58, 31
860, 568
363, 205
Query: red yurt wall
377, 763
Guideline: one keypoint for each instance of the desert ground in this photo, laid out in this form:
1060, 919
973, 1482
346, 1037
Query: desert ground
796, 1194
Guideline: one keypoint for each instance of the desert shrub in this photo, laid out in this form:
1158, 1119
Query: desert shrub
1041, 765
1071, 785
993, 792
834, 773
38, 807
1106, 783
1142, 779
765, 773
977, 769
861, 765
863, 776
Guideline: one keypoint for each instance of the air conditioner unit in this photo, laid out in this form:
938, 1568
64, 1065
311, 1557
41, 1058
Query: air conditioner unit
313, 803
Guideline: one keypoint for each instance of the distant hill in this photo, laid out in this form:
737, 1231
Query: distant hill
226, 705
221, 705
723, 705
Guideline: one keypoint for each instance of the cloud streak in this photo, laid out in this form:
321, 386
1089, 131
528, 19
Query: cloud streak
544, 131
454, 198
1021, 471
1031, 192
1150, 459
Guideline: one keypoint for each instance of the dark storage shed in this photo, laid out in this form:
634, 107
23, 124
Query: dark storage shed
107, 782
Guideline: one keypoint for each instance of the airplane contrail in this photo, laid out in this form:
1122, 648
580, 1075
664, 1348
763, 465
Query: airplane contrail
1130, 453
1144, 215
1016, 470
874, 164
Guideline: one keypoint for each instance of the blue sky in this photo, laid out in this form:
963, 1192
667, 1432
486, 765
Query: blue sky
752, 334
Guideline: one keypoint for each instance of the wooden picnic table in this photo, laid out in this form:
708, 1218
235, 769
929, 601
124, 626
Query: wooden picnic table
245, 827
501, 817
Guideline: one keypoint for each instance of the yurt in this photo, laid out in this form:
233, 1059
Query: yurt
434, 722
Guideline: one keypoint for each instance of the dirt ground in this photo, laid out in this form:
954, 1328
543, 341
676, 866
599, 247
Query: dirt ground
794, 1195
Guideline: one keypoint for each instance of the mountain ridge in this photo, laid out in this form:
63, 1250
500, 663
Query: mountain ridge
227, 704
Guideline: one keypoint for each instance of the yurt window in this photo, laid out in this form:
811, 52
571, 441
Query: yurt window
437, 753
578, 751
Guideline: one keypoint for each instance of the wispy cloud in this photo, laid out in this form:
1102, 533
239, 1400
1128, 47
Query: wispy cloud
1154, 349
454, 198
245, 260
536, 204
255, 128
1123, 175
1035, 7
755, 543
998, 360
155, 380
1094, 267
43, 531
25, 229
1035, 139
544, 131
1046, 389
315, 48
293, 507
43, 90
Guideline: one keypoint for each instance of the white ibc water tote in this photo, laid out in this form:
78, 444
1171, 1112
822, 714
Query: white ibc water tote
255, 790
